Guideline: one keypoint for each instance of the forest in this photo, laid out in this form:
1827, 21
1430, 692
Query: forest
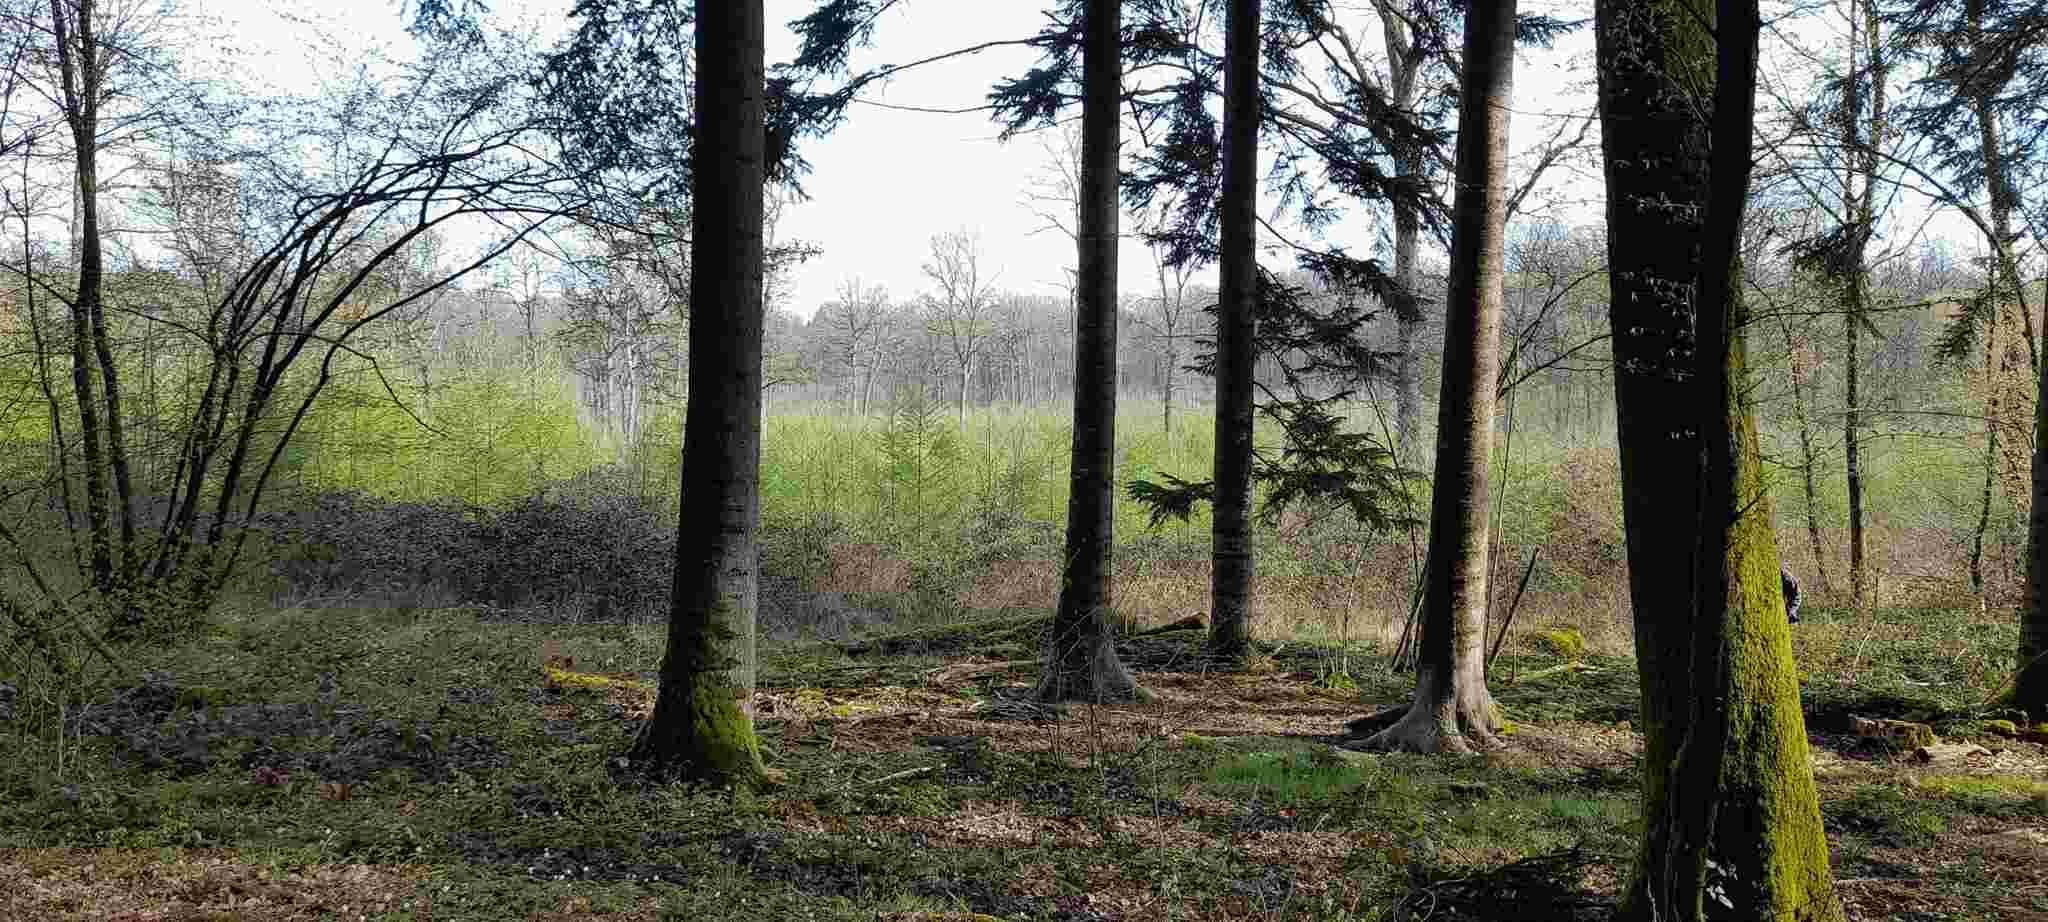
1461, 461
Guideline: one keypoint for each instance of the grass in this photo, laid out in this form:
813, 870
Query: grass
361, 763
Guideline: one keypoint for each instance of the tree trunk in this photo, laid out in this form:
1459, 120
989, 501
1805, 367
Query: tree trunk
1166, 412
1852, 462
1453, 711
966, 370
1404, 65
78, 67
867, 390
703, 728
2004, 200
1080, 659
1806, 460
2030, 686
1992, 383
1862, 141
1230, 582
1728, 788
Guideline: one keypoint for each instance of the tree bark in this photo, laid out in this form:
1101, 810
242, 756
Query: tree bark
2030, 686
1080, 660
1230, 585
1862, 141
1728, 789
1807, 480
1993, 381
1404, 64
1452, 710
79, 72
702, 727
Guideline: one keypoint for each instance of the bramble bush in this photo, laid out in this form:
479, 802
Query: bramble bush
586, 548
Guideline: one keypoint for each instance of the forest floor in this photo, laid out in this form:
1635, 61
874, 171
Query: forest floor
350, 764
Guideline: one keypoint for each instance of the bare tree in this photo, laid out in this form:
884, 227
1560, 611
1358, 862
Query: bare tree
320, 251
960, 311
1169, 322
855, 322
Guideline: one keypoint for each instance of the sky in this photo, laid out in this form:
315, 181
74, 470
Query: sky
887, 180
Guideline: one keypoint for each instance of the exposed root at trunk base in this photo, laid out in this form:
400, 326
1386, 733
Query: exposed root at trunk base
1427, 730
1095, 685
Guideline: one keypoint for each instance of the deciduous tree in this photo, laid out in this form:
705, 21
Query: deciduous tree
1731, 820
1452, 710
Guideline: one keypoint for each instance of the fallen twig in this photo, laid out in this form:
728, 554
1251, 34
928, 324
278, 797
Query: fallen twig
947, 675
898, 776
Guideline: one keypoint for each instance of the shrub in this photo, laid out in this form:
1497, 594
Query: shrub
589, 547
1565, 642
346, 542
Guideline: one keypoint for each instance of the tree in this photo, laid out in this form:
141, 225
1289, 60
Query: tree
1169, 324
1453, 710
1729, 804
960, 312
84, 62
313, 267
702, 727
1412, 37
1979, 105
1080, 659
1231, 571
1840, 253
856, 323
2030, 684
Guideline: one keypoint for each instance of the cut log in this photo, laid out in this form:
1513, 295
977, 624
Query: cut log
961, 672
1948, 752
1189, 623
1900, 731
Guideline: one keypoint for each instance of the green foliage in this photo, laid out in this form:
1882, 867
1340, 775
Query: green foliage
489, 435
1176, 499
1321, 352
1289, 777
920, 451
1565, 642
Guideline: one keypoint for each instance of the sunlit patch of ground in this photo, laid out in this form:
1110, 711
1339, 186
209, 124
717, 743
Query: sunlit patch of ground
912, 798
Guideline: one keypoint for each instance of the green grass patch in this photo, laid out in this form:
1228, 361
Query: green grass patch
1288, 777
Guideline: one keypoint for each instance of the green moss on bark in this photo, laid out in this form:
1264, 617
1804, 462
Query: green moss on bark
1770, 851
703, 724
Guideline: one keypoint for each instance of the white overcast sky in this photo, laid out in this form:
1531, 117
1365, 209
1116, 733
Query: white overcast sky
887, 180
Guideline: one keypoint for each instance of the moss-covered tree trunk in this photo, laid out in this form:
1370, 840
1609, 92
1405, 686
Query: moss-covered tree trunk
1727, 781
1081, 661
703, 728
1230, 585
1452, 710
2030, 687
